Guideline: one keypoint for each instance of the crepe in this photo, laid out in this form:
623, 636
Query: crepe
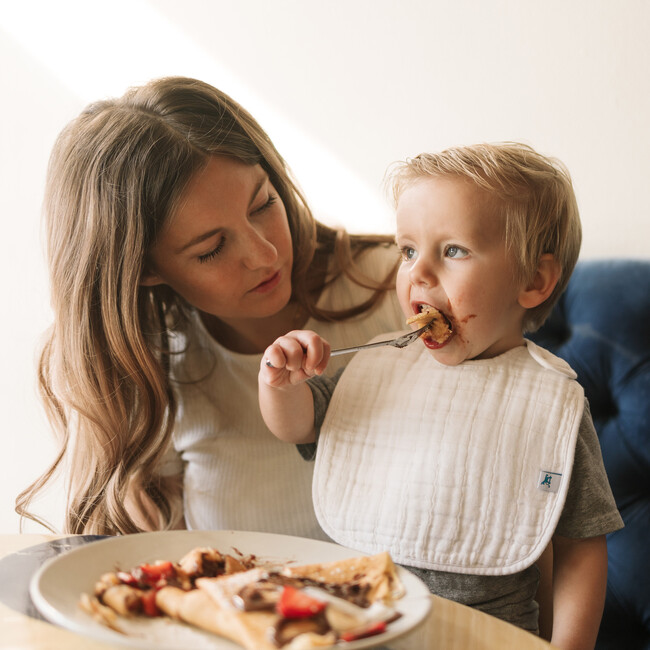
196, 607
348, 586
440, 329
376, 572
289, 607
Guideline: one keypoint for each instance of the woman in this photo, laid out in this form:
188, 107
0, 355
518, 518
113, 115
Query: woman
179, 248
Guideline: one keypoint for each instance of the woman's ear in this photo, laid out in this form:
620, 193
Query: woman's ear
150, 279
543, 282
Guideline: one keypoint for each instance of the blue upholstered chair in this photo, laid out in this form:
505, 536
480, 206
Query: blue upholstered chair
601, 326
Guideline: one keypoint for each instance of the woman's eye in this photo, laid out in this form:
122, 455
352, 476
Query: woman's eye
408, 253
455, 252
268, 203
206, 257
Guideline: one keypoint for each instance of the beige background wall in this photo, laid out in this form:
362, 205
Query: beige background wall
344, 87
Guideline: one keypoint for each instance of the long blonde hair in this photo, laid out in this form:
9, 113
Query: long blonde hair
115, 176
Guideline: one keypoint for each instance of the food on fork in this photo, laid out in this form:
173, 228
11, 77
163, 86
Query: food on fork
259, 606
440, 329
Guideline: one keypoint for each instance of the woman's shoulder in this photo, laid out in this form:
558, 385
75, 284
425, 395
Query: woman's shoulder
372, 267
193, 350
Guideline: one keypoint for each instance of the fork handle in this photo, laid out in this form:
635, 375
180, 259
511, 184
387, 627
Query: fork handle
335, 353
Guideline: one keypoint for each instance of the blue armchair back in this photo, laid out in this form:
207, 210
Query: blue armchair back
601, 326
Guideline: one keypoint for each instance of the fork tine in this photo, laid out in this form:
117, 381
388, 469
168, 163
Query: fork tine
405, 340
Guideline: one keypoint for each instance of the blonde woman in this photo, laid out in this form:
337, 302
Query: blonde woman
179, 248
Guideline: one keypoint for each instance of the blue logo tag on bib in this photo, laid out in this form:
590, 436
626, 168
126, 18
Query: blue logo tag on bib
549, 481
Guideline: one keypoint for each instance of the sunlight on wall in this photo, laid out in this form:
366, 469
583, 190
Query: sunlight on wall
94, 63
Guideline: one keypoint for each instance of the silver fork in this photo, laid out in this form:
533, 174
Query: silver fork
399, 342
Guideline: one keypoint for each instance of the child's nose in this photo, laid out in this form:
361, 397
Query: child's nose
423, 274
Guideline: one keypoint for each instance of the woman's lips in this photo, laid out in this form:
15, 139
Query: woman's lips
269, 284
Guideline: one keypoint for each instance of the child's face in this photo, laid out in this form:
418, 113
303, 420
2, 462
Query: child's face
454, 258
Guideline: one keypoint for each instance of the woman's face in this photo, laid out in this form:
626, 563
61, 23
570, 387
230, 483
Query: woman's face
227, 250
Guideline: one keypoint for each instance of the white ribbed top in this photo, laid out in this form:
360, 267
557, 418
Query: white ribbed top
237, 474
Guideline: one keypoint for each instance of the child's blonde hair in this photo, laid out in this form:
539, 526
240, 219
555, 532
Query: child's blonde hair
533, 193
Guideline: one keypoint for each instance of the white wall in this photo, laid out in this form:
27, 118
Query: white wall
344, 87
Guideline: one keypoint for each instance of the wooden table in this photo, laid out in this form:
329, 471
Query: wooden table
450, 626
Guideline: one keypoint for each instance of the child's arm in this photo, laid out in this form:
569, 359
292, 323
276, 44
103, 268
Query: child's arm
286, 402
579, 583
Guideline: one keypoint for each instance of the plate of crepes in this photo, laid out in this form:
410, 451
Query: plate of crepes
224, 590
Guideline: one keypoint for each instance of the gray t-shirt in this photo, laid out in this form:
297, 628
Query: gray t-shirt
589, 511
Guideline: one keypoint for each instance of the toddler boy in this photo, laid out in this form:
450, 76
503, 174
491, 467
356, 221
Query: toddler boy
465, 456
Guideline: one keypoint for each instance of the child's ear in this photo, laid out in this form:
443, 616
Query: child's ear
543, 282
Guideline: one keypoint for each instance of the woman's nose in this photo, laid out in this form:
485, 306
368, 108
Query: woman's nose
257, 249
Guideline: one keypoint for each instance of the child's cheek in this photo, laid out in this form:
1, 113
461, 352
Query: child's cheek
403, 289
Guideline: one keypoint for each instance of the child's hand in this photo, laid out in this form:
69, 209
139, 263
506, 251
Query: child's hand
294, 358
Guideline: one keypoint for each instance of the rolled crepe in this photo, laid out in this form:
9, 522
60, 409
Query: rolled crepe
377, 571
123, 599
253, 630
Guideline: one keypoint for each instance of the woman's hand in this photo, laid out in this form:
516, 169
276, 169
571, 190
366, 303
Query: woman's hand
294, 358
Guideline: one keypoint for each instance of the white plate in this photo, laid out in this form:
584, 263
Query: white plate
57, 586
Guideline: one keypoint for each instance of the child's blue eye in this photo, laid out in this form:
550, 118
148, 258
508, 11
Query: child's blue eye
455, 252
408, 253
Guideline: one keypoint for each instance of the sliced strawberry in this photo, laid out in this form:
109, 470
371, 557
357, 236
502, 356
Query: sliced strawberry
127, 579
152, 574
149, 606
294, 603
362, 632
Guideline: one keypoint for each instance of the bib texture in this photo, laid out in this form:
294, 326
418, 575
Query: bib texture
462, 469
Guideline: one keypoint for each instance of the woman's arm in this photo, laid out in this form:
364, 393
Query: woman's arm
286, 402
579, 583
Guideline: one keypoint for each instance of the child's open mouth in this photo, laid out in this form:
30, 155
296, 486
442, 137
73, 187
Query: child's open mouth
440, 331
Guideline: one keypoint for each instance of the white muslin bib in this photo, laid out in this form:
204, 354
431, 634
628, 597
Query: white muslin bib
452, 468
